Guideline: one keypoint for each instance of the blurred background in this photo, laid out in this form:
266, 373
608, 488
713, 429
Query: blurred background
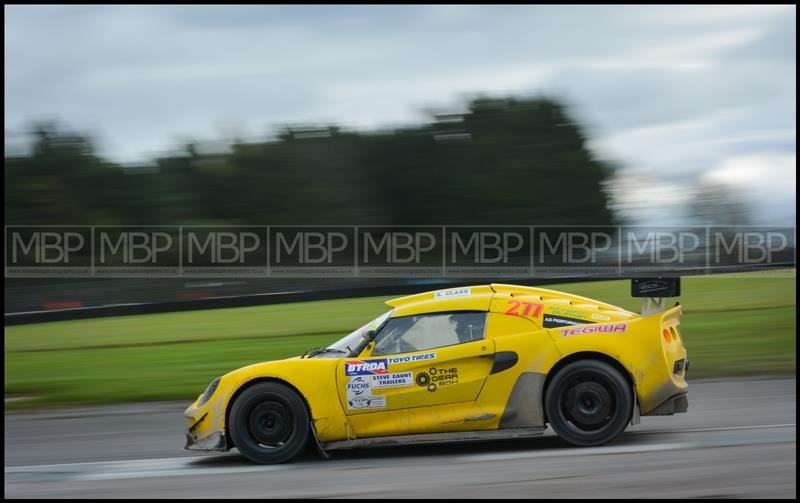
378, 115
660, 119
309, 114
391, 115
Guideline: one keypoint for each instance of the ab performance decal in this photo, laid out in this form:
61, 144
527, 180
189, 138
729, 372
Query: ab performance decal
436, 378
551, 321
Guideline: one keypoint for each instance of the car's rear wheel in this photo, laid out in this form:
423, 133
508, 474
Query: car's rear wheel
588, 402
269, 423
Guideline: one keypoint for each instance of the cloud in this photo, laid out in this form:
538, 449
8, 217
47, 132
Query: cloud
666, 92
766, 181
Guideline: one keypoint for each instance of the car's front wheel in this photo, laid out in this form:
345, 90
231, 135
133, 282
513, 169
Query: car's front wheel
588, 402
269, 423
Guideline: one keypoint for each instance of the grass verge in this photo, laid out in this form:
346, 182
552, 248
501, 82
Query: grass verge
733, 325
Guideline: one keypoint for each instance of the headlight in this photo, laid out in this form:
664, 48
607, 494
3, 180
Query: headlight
209, 391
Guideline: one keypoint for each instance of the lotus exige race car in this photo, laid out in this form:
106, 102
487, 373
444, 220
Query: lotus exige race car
479, 362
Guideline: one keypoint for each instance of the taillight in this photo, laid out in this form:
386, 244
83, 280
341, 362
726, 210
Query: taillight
667, 335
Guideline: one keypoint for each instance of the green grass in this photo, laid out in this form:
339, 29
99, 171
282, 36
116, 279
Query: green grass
329, 316
740, 324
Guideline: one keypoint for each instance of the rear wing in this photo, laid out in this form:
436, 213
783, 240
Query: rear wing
654, 292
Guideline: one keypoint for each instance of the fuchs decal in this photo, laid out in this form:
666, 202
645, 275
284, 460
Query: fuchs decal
358, 386
596, 329
359, 394
365, 367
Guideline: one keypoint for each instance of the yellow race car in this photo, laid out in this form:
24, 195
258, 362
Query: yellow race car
471, 363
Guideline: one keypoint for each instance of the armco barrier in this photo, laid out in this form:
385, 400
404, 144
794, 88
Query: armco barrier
258, 299
303, 295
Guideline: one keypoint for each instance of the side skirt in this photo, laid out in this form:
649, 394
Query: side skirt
434, 438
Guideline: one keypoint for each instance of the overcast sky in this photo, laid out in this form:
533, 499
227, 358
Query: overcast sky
673, 94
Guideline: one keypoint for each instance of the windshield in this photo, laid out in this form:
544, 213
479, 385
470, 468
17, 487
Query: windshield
350, 343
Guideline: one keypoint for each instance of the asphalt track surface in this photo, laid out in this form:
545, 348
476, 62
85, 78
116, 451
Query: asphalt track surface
737, 440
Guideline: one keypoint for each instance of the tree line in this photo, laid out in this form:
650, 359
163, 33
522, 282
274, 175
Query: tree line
503, 161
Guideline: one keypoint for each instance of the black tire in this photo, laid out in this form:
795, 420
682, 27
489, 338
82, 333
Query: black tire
589, 402
269, 423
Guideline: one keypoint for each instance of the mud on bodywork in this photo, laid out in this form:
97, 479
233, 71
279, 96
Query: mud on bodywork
204, 429
673, 405
642, 349
524, 407
214, 442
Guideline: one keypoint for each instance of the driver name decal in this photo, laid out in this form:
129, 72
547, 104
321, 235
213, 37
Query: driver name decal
449, 294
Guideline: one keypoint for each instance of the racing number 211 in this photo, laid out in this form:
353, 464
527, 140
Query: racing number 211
515, 305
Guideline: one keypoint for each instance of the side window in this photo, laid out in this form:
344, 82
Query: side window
427, 331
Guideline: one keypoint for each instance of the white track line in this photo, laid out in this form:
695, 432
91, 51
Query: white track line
169, 467
589, 451
126, 462
722, 428
139, 468
193, 465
